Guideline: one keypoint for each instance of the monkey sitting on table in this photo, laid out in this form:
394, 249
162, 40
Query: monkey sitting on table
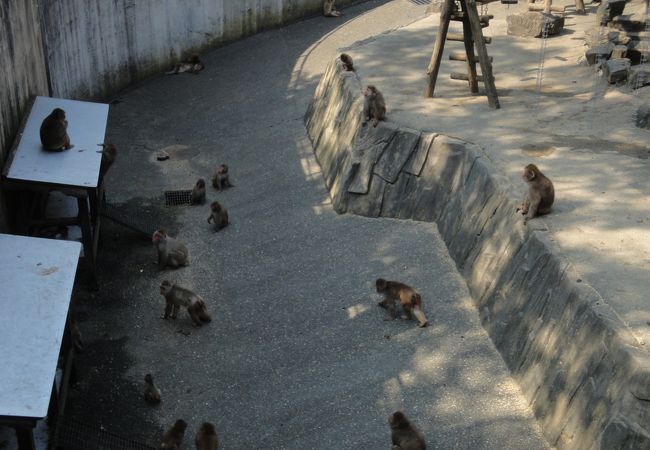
54, 132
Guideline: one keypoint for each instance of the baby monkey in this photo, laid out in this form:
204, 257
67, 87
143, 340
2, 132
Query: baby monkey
541, 194
374, 106
220, 179
173, 438
193, 64
206, 437
409, 299
54, 132
171, 252
151, 392
219, 216
198, 193
404, 435
176, 296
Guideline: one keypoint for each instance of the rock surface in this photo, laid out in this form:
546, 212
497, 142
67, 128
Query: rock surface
615, 70
531, 24
576, 362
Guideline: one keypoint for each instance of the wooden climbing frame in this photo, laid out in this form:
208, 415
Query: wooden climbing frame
473, 38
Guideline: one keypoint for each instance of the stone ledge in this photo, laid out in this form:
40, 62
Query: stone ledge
576, 362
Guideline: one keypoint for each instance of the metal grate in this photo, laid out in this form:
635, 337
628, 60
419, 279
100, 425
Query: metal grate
128, 218
420, 2
177, 198
74, 435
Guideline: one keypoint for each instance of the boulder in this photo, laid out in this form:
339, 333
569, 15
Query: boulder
531, 24
615, 70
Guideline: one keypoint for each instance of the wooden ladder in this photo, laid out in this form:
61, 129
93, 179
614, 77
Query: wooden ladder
472, 37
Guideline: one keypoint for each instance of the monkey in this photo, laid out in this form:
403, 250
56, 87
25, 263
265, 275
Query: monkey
206, 437
410, 300
347, 62
77, 342
403, 434
329, 9
109, 153
220, 180
541, 194
176, 296
193, 64
174, 436
171, 252
54, 132
198, 193
219, 216
374, 106
151, 392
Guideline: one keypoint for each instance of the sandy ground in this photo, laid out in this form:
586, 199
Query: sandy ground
578, 129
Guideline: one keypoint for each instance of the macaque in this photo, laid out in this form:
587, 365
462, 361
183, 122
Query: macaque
348, 65
540, 195
198, 193
329, 9
76, 336
403, 434
220, 179
171, 252
193, 64
176, 296
54, 132
219, 216
409, 299
206, 437
174, 436
374, 106
109, 153
151, 392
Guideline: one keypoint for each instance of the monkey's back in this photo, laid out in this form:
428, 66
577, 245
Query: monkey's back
53, 133
548, 195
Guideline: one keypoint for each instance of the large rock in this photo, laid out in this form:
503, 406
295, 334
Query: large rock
531, 24
598, 53
608, 10
615, 70
639, 76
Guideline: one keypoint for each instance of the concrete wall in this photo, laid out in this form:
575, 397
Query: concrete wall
22, 72
585, 376
94, 48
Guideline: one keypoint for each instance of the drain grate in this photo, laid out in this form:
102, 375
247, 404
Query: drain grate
177, 198
420, 2
74, 435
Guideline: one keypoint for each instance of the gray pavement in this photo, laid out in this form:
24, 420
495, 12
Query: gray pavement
297, 355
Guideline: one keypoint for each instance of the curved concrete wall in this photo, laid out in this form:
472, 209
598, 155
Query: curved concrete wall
584, 375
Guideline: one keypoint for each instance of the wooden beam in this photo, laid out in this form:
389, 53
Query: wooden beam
459, 55
461, 38
486, 65
439, 46
463, 76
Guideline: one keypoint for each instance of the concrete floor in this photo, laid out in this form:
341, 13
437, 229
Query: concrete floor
297, 355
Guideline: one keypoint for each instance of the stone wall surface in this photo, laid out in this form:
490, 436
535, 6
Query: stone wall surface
584, 374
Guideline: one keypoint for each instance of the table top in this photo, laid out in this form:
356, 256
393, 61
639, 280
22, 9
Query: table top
36, 282
78, 166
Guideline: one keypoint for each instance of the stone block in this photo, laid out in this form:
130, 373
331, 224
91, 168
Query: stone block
622, 433
598, 53
396, 154
619, 51
615, 70
639, 76
399, 198
608, 10
643, 117
531, 24
368, 148
368, 204
415, 164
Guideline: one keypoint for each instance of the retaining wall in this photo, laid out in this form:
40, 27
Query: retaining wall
585, 376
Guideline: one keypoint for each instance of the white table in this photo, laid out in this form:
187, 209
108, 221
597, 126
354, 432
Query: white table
74, 172
37, 277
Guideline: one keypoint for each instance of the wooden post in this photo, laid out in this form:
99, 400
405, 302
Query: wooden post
469, 50
484, 60
436, 57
